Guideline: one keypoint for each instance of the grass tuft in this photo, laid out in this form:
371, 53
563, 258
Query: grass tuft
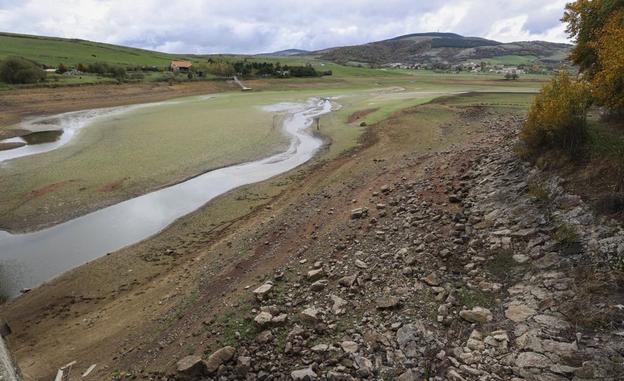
566, 234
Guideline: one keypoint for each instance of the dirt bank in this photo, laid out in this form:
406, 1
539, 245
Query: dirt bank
17, 104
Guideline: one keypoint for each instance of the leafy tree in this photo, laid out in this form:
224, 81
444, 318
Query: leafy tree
301, 71
586, 20
81, 67
17, 70
511, 76
608, 79
98, 68
558, 117
223, 69
598, 28
118, 72
62, 69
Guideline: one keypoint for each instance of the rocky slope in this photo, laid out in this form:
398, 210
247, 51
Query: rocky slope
481, 268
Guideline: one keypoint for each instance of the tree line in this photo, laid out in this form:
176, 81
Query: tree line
246, 68
557, 119
17, 70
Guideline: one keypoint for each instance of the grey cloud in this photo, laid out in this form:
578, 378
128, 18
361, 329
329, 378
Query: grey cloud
247, 26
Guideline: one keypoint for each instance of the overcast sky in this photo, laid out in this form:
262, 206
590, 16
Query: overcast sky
253, 26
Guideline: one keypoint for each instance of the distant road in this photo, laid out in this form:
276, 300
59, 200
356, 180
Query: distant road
241, 84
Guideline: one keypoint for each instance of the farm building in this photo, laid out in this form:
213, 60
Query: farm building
183, 66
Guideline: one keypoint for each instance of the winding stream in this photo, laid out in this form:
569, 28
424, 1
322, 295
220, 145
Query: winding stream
27, 260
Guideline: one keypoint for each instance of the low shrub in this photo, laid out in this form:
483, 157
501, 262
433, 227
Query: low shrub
17, 70
557, 119
611, 203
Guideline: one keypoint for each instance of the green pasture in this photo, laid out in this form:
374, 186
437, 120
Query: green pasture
511, 60
53, 51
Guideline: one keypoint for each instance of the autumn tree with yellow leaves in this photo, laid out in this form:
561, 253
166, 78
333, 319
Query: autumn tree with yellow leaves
557, 119
608, 80
597, 26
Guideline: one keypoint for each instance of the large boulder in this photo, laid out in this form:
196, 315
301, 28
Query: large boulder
306, 374
263, 318
477, 315
191, 367
387, 303
219, 358
339, 304
262, 291
310, 315
519, 313
532, 360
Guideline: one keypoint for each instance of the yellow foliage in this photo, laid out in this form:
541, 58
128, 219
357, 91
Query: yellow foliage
557, 119
223, 69
608, 82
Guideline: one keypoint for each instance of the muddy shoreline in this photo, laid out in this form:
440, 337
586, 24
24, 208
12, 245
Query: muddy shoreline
17, 104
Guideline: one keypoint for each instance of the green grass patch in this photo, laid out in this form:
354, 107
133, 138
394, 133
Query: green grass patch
234, 329
512, 60
475, 298
538, 191
509, 100
280, 342
566, 234
606, 140
53, 51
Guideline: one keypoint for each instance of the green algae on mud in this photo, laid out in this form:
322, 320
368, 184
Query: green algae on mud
150, 148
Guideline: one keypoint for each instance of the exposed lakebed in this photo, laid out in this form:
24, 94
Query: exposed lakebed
27, 260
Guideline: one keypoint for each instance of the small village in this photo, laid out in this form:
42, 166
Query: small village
475, 67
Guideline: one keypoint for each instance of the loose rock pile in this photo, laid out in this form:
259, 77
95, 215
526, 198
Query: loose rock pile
465, 273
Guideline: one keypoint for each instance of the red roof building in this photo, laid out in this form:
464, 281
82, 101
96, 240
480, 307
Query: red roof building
180, 66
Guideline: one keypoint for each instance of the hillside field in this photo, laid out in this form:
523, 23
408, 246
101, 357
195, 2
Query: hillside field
52, 51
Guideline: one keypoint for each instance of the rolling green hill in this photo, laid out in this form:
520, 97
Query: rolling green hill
426, 48
52, 51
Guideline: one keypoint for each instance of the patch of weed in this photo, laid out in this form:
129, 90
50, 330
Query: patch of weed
538, 191
597, 295
503, 267
281, 336
236, 329
566, 234
475, 298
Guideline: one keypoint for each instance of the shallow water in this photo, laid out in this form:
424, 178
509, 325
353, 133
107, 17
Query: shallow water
42, 137
27, 260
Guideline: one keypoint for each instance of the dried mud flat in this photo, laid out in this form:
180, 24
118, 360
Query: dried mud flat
17, 104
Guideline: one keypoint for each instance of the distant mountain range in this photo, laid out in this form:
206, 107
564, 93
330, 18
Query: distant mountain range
286, 53
450, 48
